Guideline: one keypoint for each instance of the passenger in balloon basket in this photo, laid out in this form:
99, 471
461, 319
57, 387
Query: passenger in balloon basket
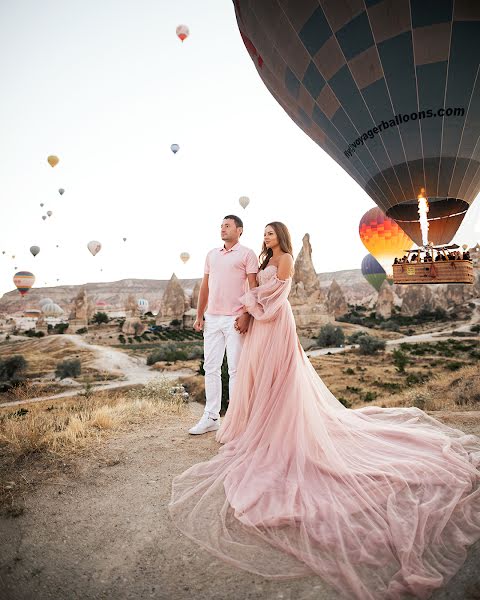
222, 316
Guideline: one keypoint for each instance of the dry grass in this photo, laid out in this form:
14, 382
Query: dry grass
43, 354
457, 391
68, 426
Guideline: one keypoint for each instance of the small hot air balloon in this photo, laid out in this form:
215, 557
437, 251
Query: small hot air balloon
52, 310
23, 281
184, 256
3, 251
244, 201
41, 204
53, 160
124, 239
35, 250
45, 301
49, 213
182, 32
142, 305
94, 247
13, 256
174, 148
44, 217
61, 191
373, 271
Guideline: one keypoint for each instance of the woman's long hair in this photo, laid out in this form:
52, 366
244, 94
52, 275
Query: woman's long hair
284, 240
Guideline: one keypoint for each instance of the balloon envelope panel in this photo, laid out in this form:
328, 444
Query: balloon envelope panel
388, 89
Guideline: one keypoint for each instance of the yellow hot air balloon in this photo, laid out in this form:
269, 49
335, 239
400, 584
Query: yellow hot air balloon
53, 160
185, 256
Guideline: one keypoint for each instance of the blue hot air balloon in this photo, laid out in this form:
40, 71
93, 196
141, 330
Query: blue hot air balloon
389, 89
373, 271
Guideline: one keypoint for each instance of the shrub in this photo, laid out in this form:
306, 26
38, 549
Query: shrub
345, 402
369, 397
68, 368
370, 345
168, 352
453, 366
475, 328
331, 336
121, 339
11, 368
81, 330
353, 339
175, 323
349, 371
100, 317
400, 360
60, 328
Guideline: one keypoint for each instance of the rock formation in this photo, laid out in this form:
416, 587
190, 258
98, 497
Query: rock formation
306, 297
335, 302
131, 309
385, 301
195, 294
133, 326
174, 302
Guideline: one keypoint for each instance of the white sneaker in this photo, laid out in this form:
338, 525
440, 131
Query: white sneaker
205, 424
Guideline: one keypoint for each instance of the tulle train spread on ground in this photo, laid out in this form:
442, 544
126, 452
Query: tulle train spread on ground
381, 503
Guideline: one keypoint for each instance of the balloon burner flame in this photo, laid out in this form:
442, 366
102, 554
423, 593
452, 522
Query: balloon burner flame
423, 209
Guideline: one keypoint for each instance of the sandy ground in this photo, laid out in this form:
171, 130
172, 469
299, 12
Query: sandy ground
101, 529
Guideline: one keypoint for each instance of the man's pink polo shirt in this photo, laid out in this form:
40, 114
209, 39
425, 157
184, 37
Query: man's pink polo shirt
227, 275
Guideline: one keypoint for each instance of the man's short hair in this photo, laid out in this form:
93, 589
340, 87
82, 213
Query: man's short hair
238, 220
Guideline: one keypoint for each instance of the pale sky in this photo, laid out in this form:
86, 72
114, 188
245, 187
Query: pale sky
108, 87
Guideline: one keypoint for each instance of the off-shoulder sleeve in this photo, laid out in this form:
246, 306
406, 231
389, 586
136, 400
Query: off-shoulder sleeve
264, 301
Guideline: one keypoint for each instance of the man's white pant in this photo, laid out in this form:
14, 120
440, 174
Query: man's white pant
219, 333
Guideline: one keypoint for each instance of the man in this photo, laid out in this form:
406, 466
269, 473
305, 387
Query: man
226, 271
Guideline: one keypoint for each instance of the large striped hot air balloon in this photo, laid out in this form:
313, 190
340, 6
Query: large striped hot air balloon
389, 89
23, 281
383, 238
373, 272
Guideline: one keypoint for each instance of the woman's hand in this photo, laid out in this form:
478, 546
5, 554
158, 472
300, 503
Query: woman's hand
242, 322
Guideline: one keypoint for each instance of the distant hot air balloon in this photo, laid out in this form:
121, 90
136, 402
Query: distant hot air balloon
182, 32
94, 247
124, 239
373, 271
142, 305
366, 81
49, 213
52, 310
44, 217
35, 250
41, 204
53, 160
23, 281
174, 148
383, 238
244, 201
184, 256
33, 313
45, 301
61, 191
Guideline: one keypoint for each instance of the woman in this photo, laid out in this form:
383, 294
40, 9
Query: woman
379, 502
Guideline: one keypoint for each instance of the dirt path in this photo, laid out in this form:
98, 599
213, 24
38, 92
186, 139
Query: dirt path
102, 531
131, 370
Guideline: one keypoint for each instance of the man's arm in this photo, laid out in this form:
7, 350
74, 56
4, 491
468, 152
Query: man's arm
202, 303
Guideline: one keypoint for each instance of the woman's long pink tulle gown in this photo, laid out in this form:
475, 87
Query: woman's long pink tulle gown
379, 502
